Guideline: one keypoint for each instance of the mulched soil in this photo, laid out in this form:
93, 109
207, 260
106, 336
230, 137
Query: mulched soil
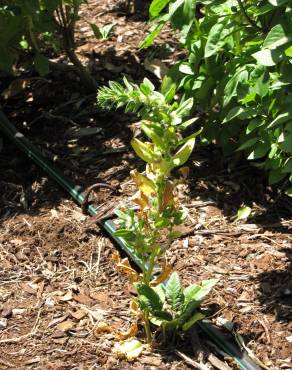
58, 283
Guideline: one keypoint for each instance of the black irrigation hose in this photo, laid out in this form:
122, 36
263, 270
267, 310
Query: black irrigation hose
227, 346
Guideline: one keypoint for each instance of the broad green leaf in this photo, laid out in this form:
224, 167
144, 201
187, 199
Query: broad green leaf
216, 39
196, 317
276, 176
267, 57
233, 113
260, 150
147, 87
41, 64
144, 151
157, 6
281, 118
289, 192
187, 123
288, 51
278, 2
168, 88
287, 166
184, 153
190, 292
193, 293
149, 297
153, 133
243, 213
124, 233
248, 143
286, 145
276, 37
185, 107
149, 39
255, 123
230, 89
173, 291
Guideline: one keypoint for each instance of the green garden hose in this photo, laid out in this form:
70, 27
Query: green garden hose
226, 346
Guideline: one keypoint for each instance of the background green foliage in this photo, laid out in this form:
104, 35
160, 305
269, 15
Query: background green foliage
32, 25
239, 72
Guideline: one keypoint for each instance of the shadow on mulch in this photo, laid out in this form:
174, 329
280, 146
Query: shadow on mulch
275, 292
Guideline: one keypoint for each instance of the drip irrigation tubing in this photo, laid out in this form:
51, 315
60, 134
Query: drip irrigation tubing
226, 346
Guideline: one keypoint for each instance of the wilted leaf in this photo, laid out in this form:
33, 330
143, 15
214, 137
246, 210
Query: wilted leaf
65, 326
123, 265
144, 184
243, 213
156, 66
129, 349
166, 271
131, 332
102, 328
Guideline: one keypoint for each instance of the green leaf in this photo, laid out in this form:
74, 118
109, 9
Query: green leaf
233, 113
278, 2
286, 145
289, 192
144, 151
216, 39
102, 33
154, 133
276, 176
41, 64
124, 233
149, 298
288, 51
255, 123
276, 37
173, 291
268, 57
157, 6
149, 39
168, 88
248, 143
259, 151
198, 292
184, 153
185, 107
230, 89
196, 317
243, 213
281, 118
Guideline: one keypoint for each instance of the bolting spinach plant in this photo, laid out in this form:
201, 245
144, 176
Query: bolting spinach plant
150, 231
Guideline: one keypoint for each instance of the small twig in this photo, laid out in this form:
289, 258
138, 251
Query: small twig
214, 360
191, 362
31, 333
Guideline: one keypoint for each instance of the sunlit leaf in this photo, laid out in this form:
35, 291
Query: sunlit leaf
243, 213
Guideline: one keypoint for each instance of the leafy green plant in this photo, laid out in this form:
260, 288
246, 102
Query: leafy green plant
104, 32
33, 26
150, 231
171, 307
238, 70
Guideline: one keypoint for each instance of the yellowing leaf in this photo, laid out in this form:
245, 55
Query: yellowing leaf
144, 151
166, 271
129, 349
144, 184
134, 308
184, 152
184, 171
102, 327
124, 266
140, 199
168, 197
243, 213
131, 332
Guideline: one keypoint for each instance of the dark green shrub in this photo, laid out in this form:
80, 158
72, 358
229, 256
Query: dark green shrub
239, 71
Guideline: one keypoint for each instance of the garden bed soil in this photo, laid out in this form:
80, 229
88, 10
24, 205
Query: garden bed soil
58, 283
